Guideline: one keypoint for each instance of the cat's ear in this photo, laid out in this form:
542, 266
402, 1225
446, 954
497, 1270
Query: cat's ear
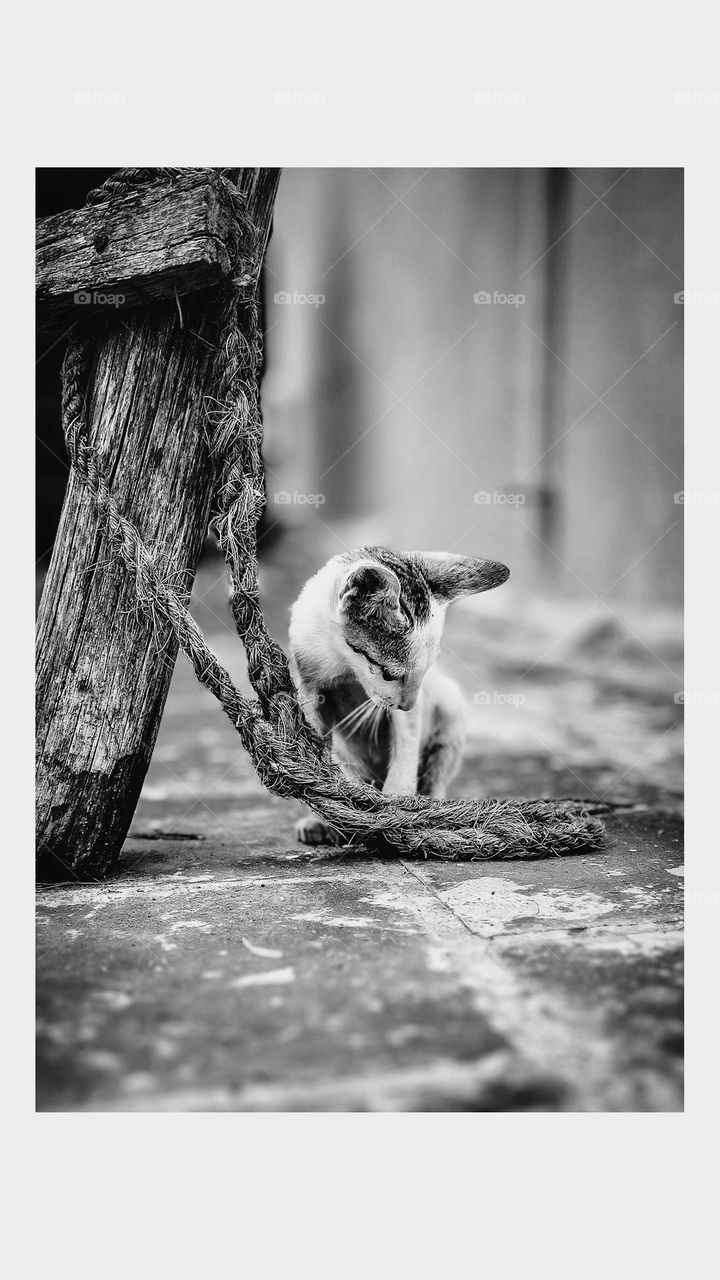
450, 576
370, 582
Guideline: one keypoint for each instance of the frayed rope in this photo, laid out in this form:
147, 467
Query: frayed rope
290, 759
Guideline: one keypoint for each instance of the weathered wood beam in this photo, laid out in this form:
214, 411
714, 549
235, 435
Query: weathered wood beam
101, 681
152, 243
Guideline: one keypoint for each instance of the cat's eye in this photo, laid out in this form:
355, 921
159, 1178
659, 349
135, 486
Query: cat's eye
372, 663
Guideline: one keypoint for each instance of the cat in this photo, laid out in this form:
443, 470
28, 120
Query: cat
365, 632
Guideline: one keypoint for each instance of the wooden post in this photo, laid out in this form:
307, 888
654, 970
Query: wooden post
101, 682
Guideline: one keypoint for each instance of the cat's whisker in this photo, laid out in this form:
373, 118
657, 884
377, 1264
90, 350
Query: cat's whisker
369, 718
352, 715
366, 714
365, 720
340, 724
377, 721
351, 722
362, 720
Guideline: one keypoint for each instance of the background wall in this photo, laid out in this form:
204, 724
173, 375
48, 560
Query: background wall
485, 360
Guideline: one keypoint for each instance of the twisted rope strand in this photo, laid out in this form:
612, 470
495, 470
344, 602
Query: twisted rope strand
290, 759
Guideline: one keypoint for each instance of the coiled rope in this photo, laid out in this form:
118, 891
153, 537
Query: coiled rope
290, 759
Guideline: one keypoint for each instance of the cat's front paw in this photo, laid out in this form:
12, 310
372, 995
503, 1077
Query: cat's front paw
313, 830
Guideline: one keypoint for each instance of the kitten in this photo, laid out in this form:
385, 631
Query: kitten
364, 635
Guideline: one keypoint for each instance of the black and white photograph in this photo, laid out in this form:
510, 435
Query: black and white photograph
430, 858
374, 623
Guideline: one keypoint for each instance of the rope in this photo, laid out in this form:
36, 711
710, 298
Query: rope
290, 759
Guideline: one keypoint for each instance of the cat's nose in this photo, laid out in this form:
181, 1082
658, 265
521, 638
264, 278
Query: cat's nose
408, 698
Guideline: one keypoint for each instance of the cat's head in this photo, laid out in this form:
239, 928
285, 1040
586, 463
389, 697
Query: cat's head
391, 611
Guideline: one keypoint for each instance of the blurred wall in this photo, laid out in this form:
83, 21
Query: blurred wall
540, 424
483, 360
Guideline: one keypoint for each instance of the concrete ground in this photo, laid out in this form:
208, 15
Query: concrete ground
226, 967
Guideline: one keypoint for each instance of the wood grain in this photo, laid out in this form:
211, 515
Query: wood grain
101, 681
147, 245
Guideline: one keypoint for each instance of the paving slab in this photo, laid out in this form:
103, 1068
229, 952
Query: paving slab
205, 978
